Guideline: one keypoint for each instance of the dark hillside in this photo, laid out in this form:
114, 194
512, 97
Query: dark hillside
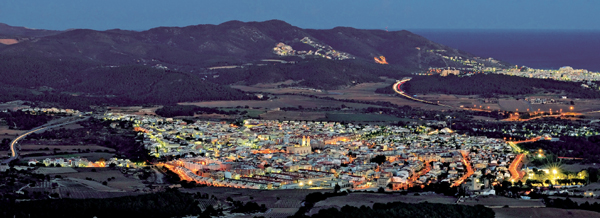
493, 84
20, 32
67, 82
174, 64
318, 73
234, 42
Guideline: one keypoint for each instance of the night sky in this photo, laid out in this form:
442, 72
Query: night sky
376, 14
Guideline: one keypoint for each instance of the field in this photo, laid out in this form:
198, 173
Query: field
40, 148
250, 112
121, 182
288, 203
292, 115
366, 92
281, 101
578, 167
368, 199
9, 133
89, 156
71, 126
55, 170
347, 117
514, 105
362, 92
542, 213
498, 201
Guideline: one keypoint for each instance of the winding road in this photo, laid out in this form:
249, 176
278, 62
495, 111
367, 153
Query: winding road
49, 125
397, 89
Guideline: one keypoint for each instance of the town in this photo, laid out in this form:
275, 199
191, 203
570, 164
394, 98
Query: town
267, 154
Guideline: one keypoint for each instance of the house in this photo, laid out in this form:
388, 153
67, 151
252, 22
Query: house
383, 182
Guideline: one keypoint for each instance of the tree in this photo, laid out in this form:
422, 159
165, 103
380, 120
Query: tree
336, 188
379, 159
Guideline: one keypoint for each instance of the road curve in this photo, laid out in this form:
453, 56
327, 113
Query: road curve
13, 143
397, 89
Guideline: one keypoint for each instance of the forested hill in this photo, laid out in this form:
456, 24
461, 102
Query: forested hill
232, 43
491, 84
79, 84
15, 32
172, 64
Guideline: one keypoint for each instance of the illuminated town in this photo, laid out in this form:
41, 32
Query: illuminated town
266, 154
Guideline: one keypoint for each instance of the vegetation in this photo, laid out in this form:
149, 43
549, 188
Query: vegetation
312, 198
249, 207
488, 85
569, 146
347, 117
570, 204
22, 120
122, 139
400, 209
315, 73
379, 159
171, 203
190, 110
79, 84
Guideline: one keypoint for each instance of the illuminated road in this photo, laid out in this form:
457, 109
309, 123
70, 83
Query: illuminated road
470, 171
515, 174
414, 178
397, 89
14, 151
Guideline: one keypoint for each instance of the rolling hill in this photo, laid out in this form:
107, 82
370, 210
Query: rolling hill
198, 62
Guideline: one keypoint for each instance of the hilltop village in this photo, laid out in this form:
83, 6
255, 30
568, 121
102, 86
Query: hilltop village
267, 154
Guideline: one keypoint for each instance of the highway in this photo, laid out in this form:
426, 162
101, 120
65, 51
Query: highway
397, 89
515, 173
512, 168
470, 171
49, 125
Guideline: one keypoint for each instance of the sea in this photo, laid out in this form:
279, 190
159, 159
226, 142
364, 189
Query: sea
542, 49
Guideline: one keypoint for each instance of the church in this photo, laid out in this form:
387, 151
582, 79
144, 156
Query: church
303, 148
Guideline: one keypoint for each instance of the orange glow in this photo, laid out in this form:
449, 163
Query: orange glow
8, 41
267, 151
469, 170
380, 60
334, 141
140, 129
515, 174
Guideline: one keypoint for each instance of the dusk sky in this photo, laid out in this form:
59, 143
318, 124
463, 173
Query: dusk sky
377, 14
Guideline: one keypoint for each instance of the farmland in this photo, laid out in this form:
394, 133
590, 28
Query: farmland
542, 213
279, 102
368, 199
292, 115
28, 149
349, 117
95, 156
499, 201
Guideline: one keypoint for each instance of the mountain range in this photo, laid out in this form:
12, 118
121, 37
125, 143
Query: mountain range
76, 61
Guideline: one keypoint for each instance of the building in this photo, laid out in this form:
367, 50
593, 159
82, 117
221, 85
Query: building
303, 148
